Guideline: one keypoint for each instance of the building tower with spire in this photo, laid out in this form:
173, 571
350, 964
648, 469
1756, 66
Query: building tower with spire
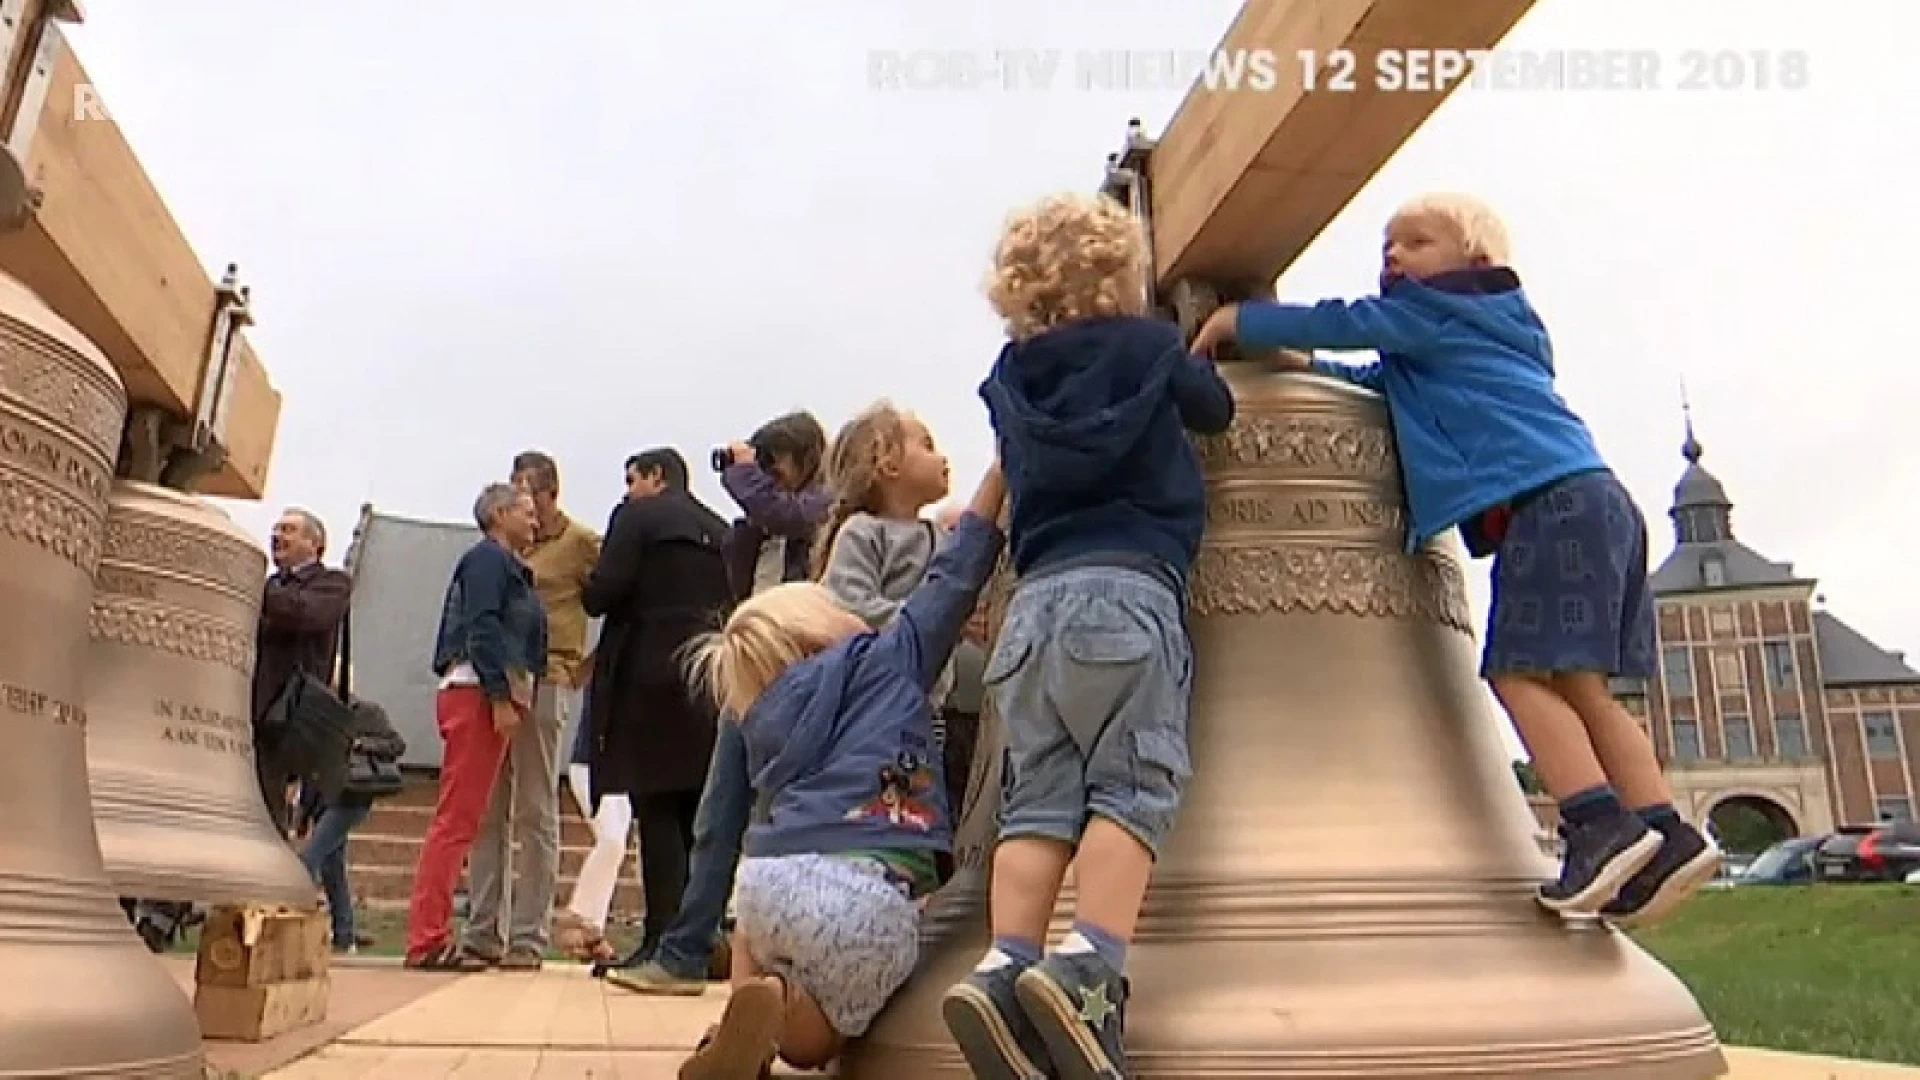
1766, 709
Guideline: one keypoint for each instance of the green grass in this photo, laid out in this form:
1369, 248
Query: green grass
1822, 970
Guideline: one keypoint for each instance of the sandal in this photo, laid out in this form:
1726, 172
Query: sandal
742, 1045
581, 940
448, 957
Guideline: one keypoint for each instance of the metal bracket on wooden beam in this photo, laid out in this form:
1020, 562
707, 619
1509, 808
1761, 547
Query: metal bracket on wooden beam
233, 309
1190, 302
156, 449
47, 43
1127, 183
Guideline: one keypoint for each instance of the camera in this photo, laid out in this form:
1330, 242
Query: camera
723, 457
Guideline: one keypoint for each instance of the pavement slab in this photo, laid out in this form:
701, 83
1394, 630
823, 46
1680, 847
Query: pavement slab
561, 1024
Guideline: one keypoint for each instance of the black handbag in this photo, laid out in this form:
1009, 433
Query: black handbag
309, 728
361, 773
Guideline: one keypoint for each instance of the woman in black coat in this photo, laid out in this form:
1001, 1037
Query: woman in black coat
661, 582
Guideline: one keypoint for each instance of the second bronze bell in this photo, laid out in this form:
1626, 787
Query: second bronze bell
169, 690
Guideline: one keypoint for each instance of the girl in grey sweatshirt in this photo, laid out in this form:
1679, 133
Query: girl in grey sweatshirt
883, 470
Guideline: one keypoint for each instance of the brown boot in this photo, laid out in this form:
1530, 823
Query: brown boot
742, 1045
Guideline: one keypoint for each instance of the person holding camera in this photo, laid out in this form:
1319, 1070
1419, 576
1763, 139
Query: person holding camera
775, 477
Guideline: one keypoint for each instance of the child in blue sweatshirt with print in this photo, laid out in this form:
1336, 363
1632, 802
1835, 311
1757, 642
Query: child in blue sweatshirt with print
1091, 404
852, 827
1486, 444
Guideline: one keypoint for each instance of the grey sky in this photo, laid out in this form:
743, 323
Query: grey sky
470, 230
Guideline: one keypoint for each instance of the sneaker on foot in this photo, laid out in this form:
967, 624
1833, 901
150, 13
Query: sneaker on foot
1686, 861
521, 958
1600, 858
992, 1030
747, 1037
1077, 1003
651, 978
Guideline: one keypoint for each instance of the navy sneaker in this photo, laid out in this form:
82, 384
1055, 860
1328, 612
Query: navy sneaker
1078, 1004
1600, 858
1687, 861
991, 1029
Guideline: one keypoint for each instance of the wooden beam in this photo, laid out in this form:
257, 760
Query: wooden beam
1243, 180
104, 252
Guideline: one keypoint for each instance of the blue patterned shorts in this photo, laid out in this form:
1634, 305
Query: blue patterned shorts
1570, 584
836, 926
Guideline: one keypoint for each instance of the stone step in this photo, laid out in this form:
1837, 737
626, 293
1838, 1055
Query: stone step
402, 852
389, 819
390, 887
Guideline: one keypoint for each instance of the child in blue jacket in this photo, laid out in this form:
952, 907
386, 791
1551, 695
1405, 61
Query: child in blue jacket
1487, 445
852, 826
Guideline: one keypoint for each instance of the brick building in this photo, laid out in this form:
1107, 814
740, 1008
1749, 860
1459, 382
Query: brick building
1765, 700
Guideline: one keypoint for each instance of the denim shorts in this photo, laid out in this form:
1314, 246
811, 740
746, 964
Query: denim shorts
1091, 678
1570, 589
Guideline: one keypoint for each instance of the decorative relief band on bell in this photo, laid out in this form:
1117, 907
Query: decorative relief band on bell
34, 512
117, 620
53, 455
1283, 579
1246, 510
40, 706
50, 378
138, 546
1329, 445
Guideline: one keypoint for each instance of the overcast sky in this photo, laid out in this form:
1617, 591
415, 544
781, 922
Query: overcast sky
471, 230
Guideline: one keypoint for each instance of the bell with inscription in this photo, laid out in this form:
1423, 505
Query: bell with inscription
176, 604
81, 996
1349, 891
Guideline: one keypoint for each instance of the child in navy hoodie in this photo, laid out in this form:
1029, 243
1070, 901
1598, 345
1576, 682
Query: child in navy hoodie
852, 826
1091, 402
1487, 444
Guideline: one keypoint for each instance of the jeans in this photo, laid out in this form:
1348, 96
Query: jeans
325, 856
719, 829
469, 765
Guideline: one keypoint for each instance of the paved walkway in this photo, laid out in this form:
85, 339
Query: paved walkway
559, 1024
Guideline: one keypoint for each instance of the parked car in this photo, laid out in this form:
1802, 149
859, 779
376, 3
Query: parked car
1789, 862
1885, 852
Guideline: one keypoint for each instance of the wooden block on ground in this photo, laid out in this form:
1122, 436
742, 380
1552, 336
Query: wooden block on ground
245, 948
258, 1013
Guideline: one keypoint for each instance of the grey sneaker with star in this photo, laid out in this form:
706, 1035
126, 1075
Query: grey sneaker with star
1078, 1005
991, 1028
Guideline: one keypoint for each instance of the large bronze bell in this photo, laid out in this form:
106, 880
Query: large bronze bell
176, 605
1349, 891
80, 995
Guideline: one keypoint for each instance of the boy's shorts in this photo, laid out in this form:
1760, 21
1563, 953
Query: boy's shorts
1091, 676
1570, 587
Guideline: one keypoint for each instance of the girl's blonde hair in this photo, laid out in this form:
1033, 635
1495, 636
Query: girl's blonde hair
1068, 258
853, 470
1482, 232
764, 636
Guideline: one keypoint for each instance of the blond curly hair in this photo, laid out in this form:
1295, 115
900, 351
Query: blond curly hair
1067, 258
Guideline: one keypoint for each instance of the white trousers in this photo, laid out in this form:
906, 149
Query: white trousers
600, 872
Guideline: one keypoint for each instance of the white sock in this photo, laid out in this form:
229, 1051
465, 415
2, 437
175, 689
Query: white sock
993, 961
1075, 944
